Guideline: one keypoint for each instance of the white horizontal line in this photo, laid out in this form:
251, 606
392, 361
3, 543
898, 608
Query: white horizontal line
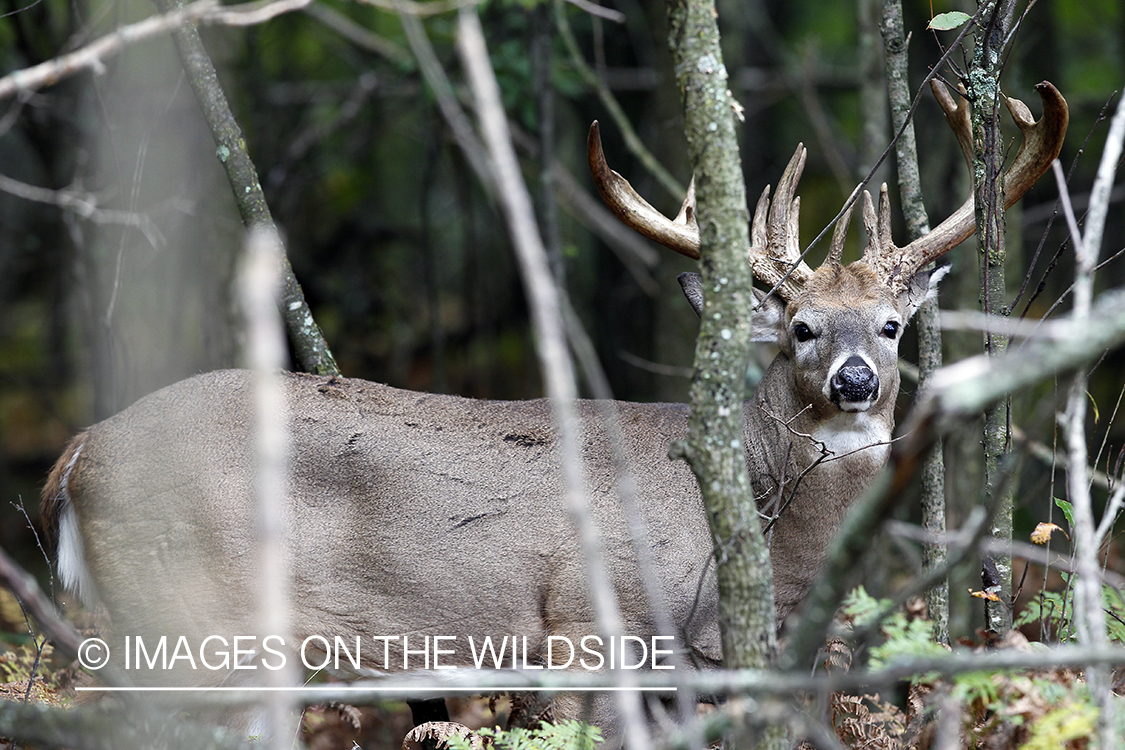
363, 688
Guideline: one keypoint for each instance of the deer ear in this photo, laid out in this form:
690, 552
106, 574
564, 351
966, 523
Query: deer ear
921, 289
692, 284
768, 321
769, 318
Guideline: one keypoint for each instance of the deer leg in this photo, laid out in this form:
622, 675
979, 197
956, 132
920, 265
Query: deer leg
428, 709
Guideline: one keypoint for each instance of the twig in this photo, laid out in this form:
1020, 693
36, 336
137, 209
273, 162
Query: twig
609, 101
85, 205
459, 123
1032, 552
558, 371
59, 631
594, 9
312, 352
92, 56
1089, 612
1047, 455
421, 10
974, 320
358, 35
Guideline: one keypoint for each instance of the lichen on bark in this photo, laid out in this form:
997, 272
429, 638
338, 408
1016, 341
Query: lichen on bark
714, 445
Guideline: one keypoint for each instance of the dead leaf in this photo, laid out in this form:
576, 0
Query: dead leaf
1043, 531
440, 731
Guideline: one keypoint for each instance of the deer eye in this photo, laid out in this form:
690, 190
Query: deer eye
890, 330
802, 332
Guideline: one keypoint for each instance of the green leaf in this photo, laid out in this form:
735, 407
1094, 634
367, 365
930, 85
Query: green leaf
948, 21
1094, 404
1064, 506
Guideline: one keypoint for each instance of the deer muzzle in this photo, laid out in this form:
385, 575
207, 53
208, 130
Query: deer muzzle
855, 385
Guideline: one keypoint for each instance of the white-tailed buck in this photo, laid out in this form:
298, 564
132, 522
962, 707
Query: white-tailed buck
415, 516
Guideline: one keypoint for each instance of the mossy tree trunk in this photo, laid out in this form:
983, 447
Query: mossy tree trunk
988, 190
714, 445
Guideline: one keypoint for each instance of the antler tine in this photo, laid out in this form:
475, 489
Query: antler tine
958, 116
884, 217
870, 222
880, 250
840, 233
1042, 141
775, 250
681, 235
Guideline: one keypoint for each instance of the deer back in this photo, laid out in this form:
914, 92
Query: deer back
406, 513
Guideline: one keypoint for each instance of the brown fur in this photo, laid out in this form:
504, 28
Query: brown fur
411, 513
837, 286
54, 492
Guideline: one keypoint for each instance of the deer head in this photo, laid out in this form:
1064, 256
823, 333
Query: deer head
803, 309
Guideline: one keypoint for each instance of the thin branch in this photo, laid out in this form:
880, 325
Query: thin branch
259, 286
597, 10
92, 56
558, 370
719, 682
455, 117
421, 10
84, 205
609, 101
1089, 612
357, 34
309, 346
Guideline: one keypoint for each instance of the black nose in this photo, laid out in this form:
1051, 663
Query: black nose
855, 381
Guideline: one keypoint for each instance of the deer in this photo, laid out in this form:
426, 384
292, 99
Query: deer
411, 517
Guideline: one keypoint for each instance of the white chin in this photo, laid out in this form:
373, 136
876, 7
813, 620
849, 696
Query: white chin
855, 406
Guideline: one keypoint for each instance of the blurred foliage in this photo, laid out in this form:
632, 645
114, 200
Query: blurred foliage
402, 254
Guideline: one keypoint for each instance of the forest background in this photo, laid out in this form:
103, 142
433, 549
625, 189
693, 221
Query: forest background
116, 268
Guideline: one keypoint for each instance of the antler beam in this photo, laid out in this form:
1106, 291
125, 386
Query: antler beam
1042, 142
680, 234
775, 253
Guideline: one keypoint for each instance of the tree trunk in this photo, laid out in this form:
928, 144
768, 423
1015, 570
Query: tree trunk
926, 319
714, 444
988, 190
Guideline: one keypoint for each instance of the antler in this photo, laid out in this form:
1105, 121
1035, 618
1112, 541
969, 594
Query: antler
774, 253
680, 234
1042, 141
775, 241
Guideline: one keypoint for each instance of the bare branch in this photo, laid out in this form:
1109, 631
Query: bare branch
93, 55
356, 34
596, 10
421, 10
1089, 610
85, 205
543, 298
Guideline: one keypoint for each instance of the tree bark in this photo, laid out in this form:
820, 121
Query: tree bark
714, 443
308, 342
926, 319
988, 190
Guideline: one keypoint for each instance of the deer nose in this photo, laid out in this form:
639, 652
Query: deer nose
855, 381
